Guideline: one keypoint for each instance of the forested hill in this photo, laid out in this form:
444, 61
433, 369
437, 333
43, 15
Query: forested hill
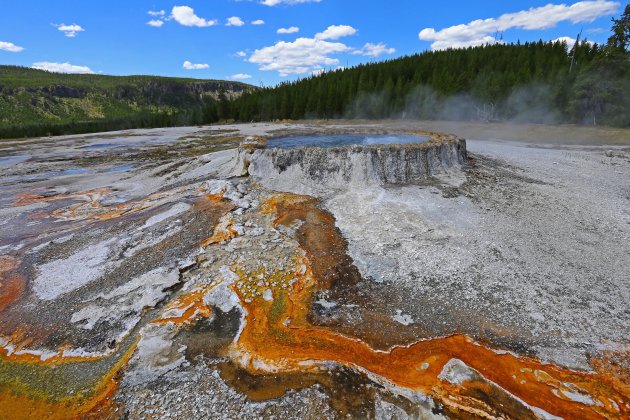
531, 82
35, 102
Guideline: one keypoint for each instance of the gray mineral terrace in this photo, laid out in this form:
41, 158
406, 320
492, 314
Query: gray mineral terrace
336, 161
201, 272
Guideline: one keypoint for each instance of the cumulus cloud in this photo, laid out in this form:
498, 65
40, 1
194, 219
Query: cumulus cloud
240, 76
312, 55
62, 67
241, 53
70, 30
191, 66
186, 16
258, 22
10, 47
374, 50
569, 41
289, 2
336, 32
291, 30
479, 32
298, 57
159, 18
234, 21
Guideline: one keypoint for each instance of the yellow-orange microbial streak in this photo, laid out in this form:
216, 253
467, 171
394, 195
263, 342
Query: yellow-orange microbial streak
278, 337
91, 207
12, 284
19, 400
224, 230
187, 308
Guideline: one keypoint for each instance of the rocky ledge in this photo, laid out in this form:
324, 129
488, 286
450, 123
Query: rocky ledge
339, 167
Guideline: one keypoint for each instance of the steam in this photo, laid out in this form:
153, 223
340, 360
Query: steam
525, 104
533, 104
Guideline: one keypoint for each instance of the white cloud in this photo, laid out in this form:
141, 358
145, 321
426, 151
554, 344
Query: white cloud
62, 67
240, 76
569, 41
156, 23
298, 57
374, 50
234, 21
186, 16
10, 46
479, 32
241, 53
291, 30
258, 22
336, 32
70, 30
159, 18
289, 2
191, 66
312, 55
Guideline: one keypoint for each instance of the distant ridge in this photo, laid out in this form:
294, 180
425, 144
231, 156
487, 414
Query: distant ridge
37, 103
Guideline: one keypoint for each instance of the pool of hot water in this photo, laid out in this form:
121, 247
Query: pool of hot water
336, 140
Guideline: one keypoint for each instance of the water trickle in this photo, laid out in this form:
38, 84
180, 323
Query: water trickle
7, 161
103, 146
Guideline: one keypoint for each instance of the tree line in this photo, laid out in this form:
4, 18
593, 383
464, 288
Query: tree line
539, 82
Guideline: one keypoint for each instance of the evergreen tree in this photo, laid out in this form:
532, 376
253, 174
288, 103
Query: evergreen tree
619, 41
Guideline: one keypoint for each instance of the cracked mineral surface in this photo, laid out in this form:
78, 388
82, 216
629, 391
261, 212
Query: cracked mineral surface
203, 273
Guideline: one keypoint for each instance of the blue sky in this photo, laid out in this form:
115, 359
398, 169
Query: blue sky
193, 38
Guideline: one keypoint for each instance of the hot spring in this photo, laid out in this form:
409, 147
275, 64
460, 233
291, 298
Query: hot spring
338, 140
336, 161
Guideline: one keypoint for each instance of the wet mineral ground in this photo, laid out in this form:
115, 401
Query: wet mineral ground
201, 273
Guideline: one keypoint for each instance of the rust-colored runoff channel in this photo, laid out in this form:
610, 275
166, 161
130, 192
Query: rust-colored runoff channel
278, 337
